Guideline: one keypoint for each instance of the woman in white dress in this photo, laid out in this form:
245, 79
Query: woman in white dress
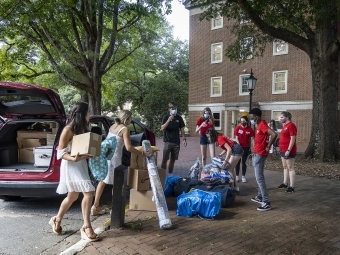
74, 176
122, 135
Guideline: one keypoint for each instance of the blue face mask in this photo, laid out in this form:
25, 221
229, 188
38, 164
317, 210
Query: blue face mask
206, 116
174, 111
252, 122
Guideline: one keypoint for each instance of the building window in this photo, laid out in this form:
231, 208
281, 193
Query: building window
216, 87
217, 22
280, 47
217, 117
216, 52
246, 48
280, 82
243, 86
276, 117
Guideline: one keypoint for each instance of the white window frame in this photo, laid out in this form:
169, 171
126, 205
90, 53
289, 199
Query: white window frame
213, 27
277, 120
213, 52
251, 48
286, 82
275, 43
212, 86
240, 81
220, 120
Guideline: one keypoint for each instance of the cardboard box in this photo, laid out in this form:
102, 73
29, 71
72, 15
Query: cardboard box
139, 162
50, 138
30, 142
31, 134
141, 200
26, 155
42, 155
86, 144
139, 179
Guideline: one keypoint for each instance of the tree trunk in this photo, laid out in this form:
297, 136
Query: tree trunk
95, 97
324, 142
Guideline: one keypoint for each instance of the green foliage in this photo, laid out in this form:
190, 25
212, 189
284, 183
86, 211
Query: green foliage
291, 21
150, 79
78, 40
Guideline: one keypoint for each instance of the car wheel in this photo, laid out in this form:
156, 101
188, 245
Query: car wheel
9, 198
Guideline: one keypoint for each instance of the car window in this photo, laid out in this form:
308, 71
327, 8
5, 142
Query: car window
95, 125
134, 128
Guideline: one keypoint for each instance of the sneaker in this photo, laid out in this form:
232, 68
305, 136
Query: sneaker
237, 189
282, 186
170, 174
244, 179
290, 190
257, 199
237, 180
265, 206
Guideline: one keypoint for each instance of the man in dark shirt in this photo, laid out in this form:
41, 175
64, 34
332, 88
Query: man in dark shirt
171, 125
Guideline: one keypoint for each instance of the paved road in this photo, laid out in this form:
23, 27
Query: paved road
24, 224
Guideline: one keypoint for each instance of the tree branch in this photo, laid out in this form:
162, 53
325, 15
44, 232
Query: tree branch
276, 32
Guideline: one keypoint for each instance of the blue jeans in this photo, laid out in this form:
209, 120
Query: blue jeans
258, 164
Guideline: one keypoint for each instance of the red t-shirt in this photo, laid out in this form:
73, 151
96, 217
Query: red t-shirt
261, 139
287, 131
222, 139
203, 130
244, 134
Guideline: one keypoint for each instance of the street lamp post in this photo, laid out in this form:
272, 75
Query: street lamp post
251, 82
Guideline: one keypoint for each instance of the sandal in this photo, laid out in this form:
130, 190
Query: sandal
53, 222
95, 211
89, 235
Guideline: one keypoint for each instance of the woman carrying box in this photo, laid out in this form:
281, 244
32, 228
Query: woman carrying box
122, 134
74, 176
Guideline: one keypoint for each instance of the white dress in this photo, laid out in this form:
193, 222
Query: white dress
117, 156
74, 176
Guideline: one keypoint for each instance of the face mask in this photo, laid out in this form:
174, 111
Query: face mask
206, 115
174, 112
283, 119
252, 122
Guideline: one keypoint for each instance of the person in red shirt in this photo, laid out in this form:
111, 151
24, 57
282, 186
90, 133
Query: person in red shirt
244, 135
203, 124
233, 149
287, 146
264, 138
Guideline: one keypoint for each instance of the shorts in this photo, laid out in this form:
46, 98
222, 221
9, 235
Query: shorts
204, 140
282, 154
171, 148
237, 150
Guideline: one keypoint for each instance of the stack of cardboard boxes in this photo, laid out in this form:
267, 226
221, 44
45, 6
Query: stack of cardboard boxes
139, 182
28, 140
32, 145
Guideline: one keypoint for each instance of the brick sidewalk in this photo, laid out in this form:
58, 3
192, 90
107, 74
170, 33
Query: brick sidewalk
305, 222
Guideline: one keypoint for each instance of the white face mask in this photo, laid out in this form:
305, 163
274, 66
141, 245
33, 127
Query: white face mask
252, 122
206, 115
174, 111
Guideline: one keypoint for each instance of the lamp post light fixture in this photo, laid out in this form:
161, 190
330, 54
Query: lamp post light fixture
251, 82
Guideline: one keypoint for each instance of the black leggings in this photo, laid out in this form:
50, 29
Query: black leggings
244, 159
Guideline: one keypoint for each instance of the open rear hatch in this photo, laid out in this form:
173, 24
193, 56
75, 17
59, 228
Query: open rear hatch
30, 118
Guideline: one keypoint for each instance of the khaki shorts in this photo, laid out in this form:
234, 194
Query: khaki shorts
171, 148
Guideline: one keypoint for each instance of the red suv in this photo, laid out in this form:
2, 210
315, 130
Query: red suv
31, 121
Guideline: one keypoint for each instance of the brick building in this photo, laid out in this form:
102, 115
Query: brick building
284, 81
